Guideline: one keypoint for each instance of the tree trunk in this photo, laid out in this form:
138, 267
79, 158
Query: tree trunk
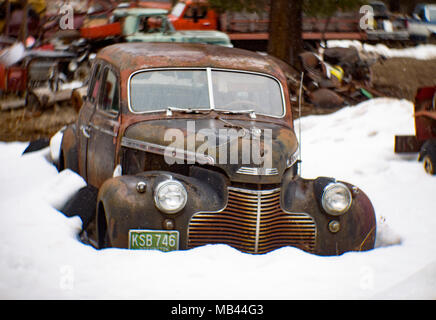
394, 5
285, 33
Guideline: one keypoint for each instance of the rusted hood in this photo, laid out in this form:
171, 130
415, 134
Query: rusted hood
247, 151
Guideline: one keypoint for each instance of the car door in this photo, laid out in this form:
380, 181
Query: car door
104, 126
85, 114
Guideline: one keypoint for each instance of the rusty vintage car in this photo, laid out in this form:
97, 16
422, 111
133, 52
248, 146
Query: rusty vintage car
161, 137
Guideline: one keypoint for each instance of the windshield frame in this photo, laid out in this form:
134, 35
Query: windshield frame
178, 5
209, 71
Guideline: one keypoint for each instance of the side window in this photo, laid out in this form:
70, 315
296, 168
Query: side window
110, 101
150, 24
95, 84
202, 12
195, 12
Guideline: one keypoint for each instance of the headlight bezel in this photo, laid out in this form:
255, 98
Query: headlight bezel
324, 198
157, 200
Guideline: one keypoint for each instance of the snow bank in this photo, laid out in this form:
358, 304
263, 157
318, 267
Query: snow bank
421, 52
41, 258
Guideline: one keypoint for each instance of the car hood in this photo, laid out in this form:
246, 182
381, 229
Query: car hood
247, 151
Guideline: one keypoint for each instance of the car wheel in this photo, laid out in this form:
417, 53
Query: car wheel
429, 164
60, 165
428, 156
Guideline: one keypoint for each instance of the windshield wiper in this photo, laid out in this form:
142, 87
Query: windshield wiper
252, 113
187, 110
170, 110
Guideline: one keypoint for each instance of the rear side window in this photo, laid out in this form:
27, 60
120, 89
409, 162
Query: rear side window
111, 100
95, 84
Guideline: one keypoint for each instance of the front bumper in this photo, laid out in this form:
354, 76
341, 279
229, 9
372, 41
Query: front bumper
253, 221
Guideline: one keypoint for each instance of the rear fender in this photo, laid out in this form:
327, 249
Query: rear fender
69, 155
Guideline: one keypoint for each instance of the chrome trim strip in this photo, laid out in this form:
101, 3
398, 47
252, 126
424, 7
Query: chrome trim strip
258, 171
209, 84
108, 132
256, 192
210, 88
160, 150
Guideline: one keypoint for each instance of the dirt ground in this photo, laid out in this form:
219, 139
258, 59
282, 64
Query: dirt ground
401, 78
397, 77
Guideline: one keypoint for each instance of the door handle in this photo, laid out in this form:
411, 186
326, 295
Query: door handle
206, 24
85, 131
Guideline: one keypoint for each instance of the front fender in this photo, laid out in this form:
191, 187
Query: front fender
69, 153
125, 208
357, 226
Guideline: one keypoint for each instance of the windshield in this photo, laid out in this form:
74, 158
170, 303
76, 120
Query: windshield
178, 9
190, 90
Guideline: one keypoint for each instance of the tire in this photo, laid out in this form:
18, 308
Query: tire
429, 164
37, 145
428, 156
82, 204
102, 232
60, 164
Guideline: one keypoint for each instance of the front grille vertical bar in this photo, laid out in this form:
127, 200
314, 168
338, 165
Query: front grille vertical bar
259, 212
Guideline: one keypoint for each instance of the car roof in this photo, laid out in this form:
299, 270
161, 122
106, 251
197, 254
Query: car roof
131, 57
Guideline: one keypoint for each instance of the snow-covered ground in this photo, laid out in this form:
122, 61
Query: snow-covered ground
41, 258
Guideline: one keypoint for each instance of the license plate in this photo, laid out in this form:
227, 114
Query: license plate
154, 239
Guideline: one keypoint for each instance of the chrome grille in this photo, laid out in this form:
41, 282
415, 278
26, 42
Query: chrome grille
253, 222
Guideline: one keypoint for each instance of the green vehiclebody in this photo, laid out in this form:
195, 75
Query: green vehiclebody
132, 32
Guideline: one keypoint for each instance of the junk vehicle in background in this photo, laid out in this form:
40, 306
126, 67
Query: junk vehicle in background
250, 30
150, 25
31, 74
424, 141
422, 25
188, 144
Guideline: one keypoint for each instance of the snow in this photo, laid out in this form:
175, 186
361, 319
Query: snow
41, 257
420, 52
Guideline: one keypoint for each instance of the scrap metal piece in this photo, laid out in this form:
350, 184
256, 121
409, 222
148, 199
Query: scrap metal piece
325, 98
42, 98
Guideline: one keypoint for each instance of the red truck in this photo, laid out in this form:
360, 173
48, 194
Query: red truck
424, 141
197, 14
245, 29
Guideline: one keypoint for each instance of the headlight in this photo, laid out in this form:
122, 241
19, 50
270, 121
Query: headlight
170, 196
336, 199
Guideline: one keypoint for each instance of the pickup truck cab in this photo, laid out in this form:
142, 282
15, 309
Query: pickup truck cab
193, 15
153, 25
